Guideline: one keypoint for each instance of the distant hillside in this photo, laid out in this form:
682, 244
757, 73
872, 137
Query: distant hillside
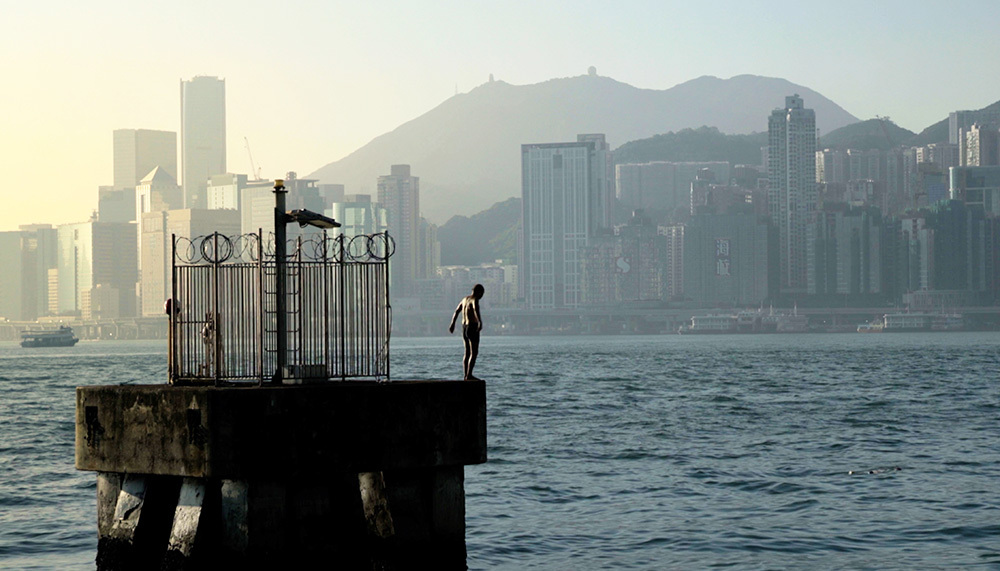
481, 238
867, 135
466, 151
702, 144
936, 133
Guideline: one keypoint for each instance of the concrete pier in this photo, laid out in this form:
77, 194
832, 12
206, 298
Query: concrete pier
353, 475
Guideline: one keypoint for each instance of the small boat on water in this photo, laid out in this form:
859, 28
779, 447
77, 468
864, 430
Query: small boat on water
62, 337
871, 327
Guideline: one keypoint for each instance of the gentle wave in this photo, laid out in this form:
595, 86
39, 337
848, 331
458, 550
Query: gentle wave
748, 452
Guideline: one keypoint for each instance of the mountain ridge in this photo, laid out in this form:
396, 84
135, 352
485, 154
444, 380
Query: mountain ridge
466, 150
876, 133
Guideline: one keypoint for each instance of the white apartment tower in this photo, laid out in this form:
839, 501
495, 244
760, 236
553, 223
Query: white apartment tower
399, 194
564, 197
793, 192
979, 146
203, 136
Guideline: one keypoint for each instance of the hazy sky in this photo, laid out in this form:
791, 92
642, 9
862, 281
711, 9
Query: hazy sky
309, 82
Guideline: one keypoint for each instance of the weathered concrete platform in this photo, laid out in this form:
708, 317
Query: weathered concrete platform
360, 474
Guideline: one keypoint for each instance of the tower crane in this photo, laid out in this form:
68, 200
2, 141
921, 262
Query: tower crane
253, 168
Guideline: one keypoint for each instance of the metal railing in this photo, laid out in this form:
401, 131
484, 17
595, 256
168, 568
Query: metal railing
224, 326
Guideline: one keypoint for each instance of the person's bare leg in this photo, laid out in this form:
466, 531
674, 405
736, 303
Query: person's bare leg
466, 365
474, 352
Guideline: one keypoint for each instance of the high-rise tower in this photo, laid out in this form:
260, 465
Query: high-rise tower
565, 193
399, 194
203, 136
793, 192
136, 153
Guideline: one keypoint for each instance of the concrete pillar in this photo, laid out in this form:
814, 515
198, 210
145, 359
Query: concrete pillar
233, 513
140, 524
109, 485
429, 514
203, 477
375, 503
187, 520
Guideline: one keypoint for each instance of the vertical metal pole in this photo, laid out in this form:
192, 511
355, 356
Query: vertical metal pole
262, 314
279, 275
388, 307
299, 297
326, 306
341, 313
216, 314
172, 320
298, 302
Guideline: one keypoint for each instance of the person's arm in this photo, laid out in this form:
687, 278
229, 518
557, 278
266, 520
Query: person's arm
479, 318
458, 310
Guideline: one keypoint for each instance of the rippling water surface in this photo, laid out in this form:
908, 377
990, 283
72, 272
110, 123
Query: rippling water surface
630, 452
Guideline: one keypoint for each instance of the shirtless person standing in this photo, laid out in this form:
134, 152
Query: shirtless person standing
472, 324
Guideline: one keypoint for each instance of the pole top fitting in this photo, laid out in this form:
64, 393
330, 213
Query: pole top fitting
279, 185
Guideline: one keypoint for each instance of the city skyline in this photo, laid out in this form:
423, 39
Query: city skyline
315, 94
879, 223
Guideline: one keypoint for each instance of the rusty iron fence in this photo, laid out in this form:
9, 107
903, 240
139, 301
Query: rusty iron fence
224, 309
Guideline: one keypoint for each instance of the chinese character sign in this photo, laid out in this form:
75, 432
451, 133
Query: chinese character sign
722, 256
721, 267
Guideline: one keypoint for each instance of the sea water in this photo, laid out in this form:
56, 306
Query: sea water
688, 452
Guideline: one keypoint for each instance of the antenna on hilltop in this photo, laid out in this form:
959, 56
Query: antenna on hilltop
885, 131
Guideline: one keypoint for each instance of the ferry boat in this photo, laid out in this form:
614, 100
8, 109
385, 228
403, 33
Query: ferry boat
781, 322
62, 337
747, 321
948, 322
785, 323
709, 325
919, 321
